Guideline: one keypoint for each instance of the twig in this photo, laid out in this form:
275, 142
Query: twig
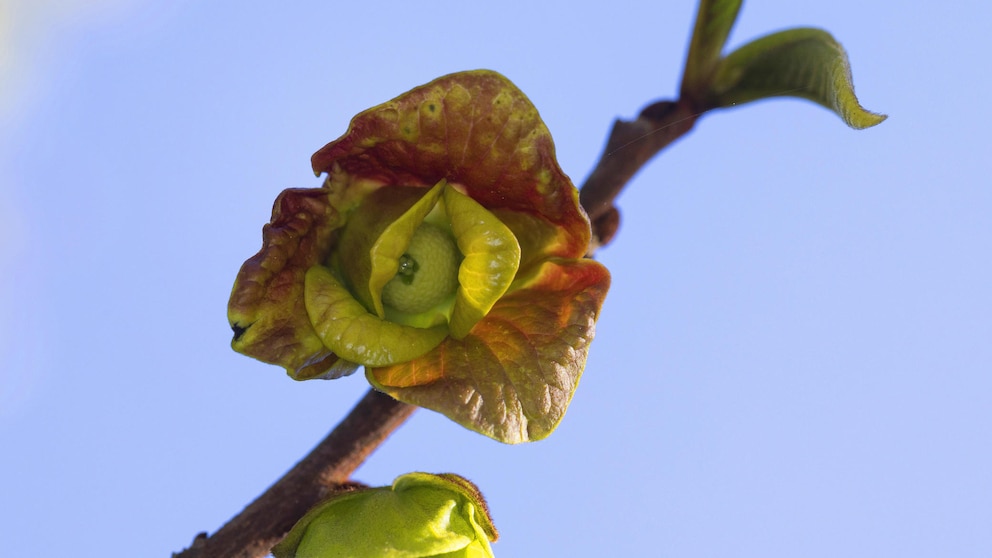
631, 145
253, 532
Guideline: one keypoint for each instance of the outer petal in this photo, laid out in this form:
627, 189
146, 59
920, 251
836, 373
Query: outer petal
267, 309
513, 376
475, 129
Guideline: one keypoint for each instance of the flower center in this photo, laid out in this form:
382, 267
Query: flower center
428, 272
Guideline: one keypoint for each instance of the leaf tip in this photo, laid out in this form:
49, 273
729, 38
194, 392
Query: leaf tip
862, 119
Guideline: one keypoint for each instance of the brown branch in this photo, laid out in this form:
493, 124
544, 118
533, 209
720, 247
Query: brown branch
253, 532
631, 145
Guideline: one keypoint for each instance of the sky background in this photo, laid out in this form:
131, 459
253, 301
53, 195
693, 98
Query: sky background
794, 358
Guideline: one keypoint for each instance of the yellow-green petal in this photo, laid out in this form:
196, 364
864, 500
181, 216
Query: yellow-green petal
492, 256
395, 239
377, 234
714, 20
355, 334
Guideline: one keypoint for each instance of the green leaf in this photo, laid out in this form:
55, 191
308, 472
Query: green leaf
714, 21
348, 329
805, 62
420, 516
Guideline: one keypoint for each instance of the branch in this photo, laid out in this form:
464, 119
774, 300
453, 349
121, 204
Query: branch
253, 532
631, 145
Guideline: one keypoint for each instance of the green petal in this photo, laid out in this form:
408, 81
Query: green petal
806, 63
419, 516
428, 275
376, 236
492, 256
351, 332
513, 376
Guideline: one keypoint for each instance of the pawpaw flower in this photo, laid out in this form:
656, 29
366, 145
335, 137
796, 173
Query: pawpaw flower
419, 516
444, 252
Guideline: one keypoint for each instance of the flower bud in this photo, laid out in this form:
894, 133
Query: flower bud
419, 516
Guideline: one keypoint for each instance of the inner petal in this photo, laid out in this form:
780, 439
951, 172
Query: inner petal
428, 272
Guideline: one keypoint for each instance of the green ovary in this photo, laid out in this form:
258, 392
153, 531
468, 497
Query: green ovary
428, 272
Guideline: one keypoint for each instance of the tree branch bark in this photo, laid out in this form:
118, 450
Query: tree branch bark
632, 143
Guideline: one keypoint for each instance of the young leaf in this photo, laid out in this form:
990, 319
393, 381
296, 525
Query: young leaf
714, 20
803, 62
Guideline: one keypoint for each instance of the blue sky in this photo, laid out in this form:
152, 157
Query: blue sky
794, 359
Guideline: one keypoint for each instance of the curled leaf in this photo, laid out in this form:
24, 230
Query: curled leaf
805, 62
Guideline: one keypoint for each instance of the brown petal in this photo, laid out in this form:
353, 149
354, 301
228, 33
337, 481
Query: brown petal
475, 129
266, 310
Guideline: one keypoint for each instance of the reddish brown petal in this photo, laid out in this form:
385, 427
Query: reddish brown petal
513, 376
475, 129
266, 310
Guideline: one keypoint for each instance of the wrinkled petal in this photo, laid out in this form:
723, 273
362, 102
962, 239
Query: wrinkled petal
475, 129
514, 375
266, 309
